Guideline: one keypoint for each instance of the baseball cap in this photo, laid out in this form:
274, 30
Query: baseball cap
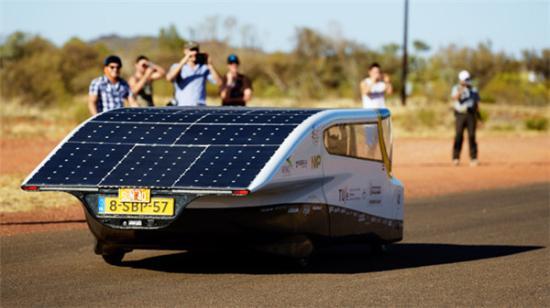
232, 58
112, 59
463, 75
192, 45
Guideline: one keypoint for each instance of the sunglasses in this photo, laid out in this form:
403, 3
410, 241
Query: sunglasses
114, 67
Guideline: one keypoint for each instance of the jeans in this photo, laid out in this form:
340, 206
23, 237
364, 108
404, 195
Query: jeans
465, 121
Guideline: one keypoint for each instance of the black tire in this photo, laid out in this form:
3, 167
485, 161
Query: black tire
379, 249
114, 258
302, 263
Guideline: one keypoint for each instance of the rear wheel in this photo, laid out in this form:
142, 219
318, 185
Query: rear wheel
114, 258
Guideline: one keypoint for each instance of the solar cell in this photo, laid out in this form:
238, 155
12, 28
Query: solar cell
129, 133
76, 163
159, 166
254, 118
235, 134
149, 117
227, 166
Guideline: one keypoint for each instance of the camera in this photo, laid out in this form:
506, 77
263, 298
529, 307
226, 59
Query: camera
201, 58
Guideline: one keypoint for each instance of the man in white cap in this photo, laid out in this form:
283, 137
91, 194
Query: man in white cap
465, 103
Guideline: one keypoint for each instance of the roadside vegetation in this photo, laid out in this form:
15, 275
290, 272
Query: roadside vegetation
316, 67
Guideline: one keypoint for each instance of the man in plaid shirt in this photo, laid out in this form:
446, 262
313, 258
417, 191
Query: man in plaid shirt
110, 91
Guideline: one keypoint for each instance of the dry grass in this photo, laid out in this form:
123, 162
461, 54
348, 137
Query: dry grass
13, 199
419, 118
35, 121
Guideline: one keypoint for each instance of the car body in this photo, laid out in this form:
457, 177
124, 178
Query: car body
279, 180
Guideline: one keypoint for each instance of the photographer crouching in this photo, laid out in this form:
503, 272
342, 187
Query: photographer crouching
189, 76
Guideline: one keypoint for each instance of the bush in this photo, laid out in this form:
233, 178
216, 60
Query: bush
536, 123
511, 88
483, 115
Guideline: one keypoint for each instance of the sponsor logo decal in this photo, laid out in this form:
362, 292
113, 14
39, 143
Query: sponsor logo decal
285, 169
302, 163
315, 136
351, 194
375, 190
315, 161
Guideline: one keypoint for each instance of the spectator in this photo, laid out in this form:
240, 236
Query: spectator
109, 91
189, 76
236, 88
141, 82
375, 87
465, 102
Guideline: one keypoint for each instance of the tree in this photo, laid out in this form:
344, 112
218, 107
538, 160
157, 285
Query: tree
420, 46
170, 40
78, 59
33, 75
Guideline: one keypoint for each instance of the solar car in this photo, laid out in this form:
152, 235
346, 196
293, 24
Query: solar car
284, 181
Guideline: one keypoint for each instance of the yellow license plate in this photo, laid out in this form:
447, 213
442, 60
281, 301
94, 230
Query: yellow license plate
156, 207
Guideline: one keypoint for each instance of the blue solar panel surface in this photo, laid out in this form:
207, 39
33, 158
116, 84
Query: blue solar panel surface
170, 148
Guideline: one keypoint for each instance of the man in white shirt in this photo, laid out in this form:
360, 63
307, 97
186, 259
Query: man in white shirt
375, 87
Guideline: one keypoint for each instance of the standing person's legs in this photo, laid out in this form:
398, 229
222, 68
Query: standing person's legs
471, 122
460, 123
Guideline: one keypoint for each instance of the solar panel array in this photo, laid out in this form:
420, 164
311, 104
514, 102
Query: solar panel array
170, 148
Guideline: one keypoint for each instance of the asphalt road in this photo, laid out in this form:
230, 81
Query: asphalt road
487, 248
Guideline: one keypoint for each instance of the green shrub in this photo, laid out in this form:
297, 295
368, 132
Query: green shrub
512, 88
536, 123
483, 115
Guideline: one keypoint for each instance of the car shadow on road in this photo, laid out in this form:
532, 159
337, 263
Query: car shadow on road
351, 259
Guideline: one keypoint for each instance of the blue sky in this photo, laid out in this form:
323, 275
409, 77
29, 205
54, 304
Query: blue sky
510, 25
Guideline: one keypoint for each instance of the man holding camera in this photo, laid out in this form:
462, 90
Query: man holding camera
375, 87
141, 82
465, 104
189, 76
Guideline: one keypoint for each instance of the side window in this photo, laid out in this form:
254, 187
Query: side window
386, 129
353, 140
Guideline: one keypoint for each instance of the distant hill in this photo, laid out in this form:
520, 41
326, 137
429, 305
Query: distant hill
118, 43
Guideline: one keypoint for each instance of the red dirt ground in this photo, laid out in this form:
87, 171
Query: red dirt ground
422, 164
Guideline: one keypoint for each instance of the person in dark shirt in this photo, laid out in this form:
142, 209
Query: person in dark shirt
236, 88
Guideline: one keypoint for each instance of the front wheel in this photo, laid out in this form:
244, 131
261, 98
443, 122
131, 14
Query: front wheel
114, 258
379, 249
